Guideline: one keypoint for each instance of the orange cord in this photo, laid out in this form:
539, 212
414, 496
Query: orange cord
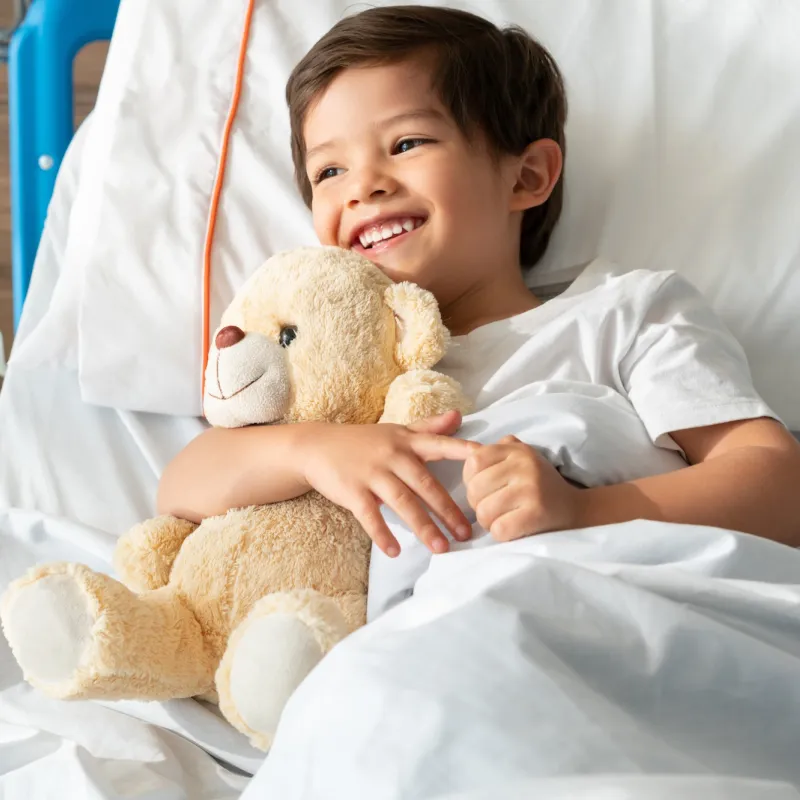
217, 190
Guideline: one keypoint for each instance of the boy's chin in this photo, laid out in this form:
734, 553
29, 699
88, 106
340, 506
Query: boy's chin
399, 264
398, 271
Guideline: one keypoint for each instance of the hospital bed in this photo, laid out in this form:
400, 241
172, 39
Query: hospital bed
643, 660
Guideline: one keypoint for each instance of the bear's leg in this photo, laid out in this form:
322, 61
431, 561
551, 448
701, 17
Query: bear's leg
270, 653
77, 633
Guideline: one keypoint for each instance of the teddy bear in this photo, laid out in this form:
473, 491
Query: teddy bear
238, 609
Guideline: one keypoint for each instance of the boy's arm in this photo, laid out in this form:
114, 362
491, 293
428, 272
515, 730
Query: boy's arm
358, 467
744, 476
231, 468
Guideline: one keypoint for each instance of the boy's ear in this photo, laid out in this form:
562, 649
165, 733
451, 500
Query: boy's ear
421, 337
538, 171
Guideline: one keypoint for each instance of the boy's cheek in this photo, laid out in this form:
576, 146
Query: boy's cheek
326, 225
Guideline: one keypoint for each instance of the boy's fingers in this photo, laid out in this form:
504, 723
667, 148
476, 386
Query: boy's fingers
435, 497
514, 524
482, 458
395, 494
495, 505
368, 513
486, 482
443, 424
442, 448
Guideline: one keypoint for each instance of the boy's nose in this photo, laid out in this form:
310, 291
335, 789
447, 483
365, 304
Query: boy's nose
371, 185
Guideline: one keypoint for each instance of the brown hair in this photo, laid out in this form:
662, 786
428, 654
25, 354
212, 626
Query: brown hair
499, 82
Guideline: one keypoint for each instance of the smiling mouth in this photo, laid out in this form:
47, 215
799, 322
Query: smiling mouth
381, 234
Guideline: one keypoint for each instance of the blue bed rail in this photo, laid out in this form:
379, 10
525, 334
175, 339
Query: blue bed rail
40, 105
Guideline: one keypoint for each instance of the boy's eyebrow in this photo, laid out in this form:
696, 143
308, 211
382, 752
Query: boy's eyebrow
415, 113
405, 116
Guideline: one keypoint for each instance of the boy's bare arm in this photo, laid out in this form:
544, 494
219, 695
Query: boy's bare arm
223, 469
359, 467
744, 476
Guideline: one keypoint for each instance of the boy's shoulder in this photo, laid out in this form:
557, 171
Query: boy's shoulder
607, 297
605, 287
603, 277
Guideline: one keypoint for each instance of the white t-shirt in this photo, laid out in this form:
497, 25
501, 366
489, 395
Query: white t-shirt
648, 335
596, 379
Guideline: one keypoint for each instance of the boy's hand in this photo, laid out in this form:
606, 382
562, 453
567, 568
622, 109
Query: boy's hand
516, 492
360, 467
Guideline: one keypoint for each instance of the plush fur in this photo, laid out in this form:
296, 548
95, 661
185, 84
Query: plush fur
240, 608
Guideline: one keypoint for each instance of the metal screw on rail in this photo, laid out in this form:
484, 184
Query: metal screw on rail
20, 9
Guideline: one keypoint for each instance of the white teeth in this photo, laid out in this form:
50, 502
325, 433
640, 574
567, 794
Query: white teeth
381, 234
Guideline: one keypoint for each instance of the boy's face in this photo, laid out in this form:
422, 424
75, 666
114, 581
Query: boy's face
395, 179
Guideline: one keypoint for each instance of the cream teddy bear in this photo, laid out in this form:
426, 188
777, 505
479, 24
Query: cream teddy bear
240, 608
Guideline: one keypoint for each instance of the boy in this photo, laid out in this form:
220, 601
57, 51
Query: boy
433, 142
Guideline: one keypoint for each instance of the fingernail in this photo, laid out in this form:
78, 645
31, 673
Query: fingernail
463, 531
439, 545
392, 551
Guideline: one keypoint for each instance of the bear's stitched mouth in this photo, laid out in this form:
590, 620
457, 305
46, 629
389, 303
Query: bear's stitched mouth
238, 391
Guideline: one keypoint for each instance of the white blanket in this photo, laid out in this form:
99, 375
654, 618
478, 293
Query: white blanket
621, 652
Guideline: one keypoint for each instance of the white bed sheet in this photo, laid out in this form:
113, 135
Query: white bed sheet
651, 656
72, 478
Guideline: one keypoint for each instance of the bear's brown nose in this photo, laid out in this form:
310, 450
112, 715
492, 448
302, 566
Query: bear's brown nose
229, 336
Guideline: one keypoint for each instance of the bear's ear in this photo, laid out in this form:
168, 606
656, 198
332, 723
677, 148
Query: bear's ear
421, 336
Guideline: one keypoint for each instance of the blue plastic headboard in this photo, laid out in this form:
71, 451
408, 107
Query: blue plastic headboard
40, 106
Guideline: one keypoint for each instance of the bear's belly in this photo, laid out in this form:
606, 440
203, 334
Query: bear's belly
230, 562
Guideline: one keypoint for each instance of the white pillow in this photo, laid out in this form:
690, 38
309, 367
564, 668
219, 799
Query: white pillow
683, 143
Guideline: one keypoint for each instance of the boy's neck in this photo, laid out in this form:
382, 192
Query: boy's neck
496, 297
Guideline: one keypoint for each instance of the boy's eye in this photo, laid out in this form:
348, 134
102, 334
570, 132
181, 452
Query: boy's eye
328, 172
404, 145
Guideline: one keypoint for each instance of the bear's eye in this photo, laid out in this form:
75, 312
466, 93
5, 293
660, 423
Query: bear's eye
287, 335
